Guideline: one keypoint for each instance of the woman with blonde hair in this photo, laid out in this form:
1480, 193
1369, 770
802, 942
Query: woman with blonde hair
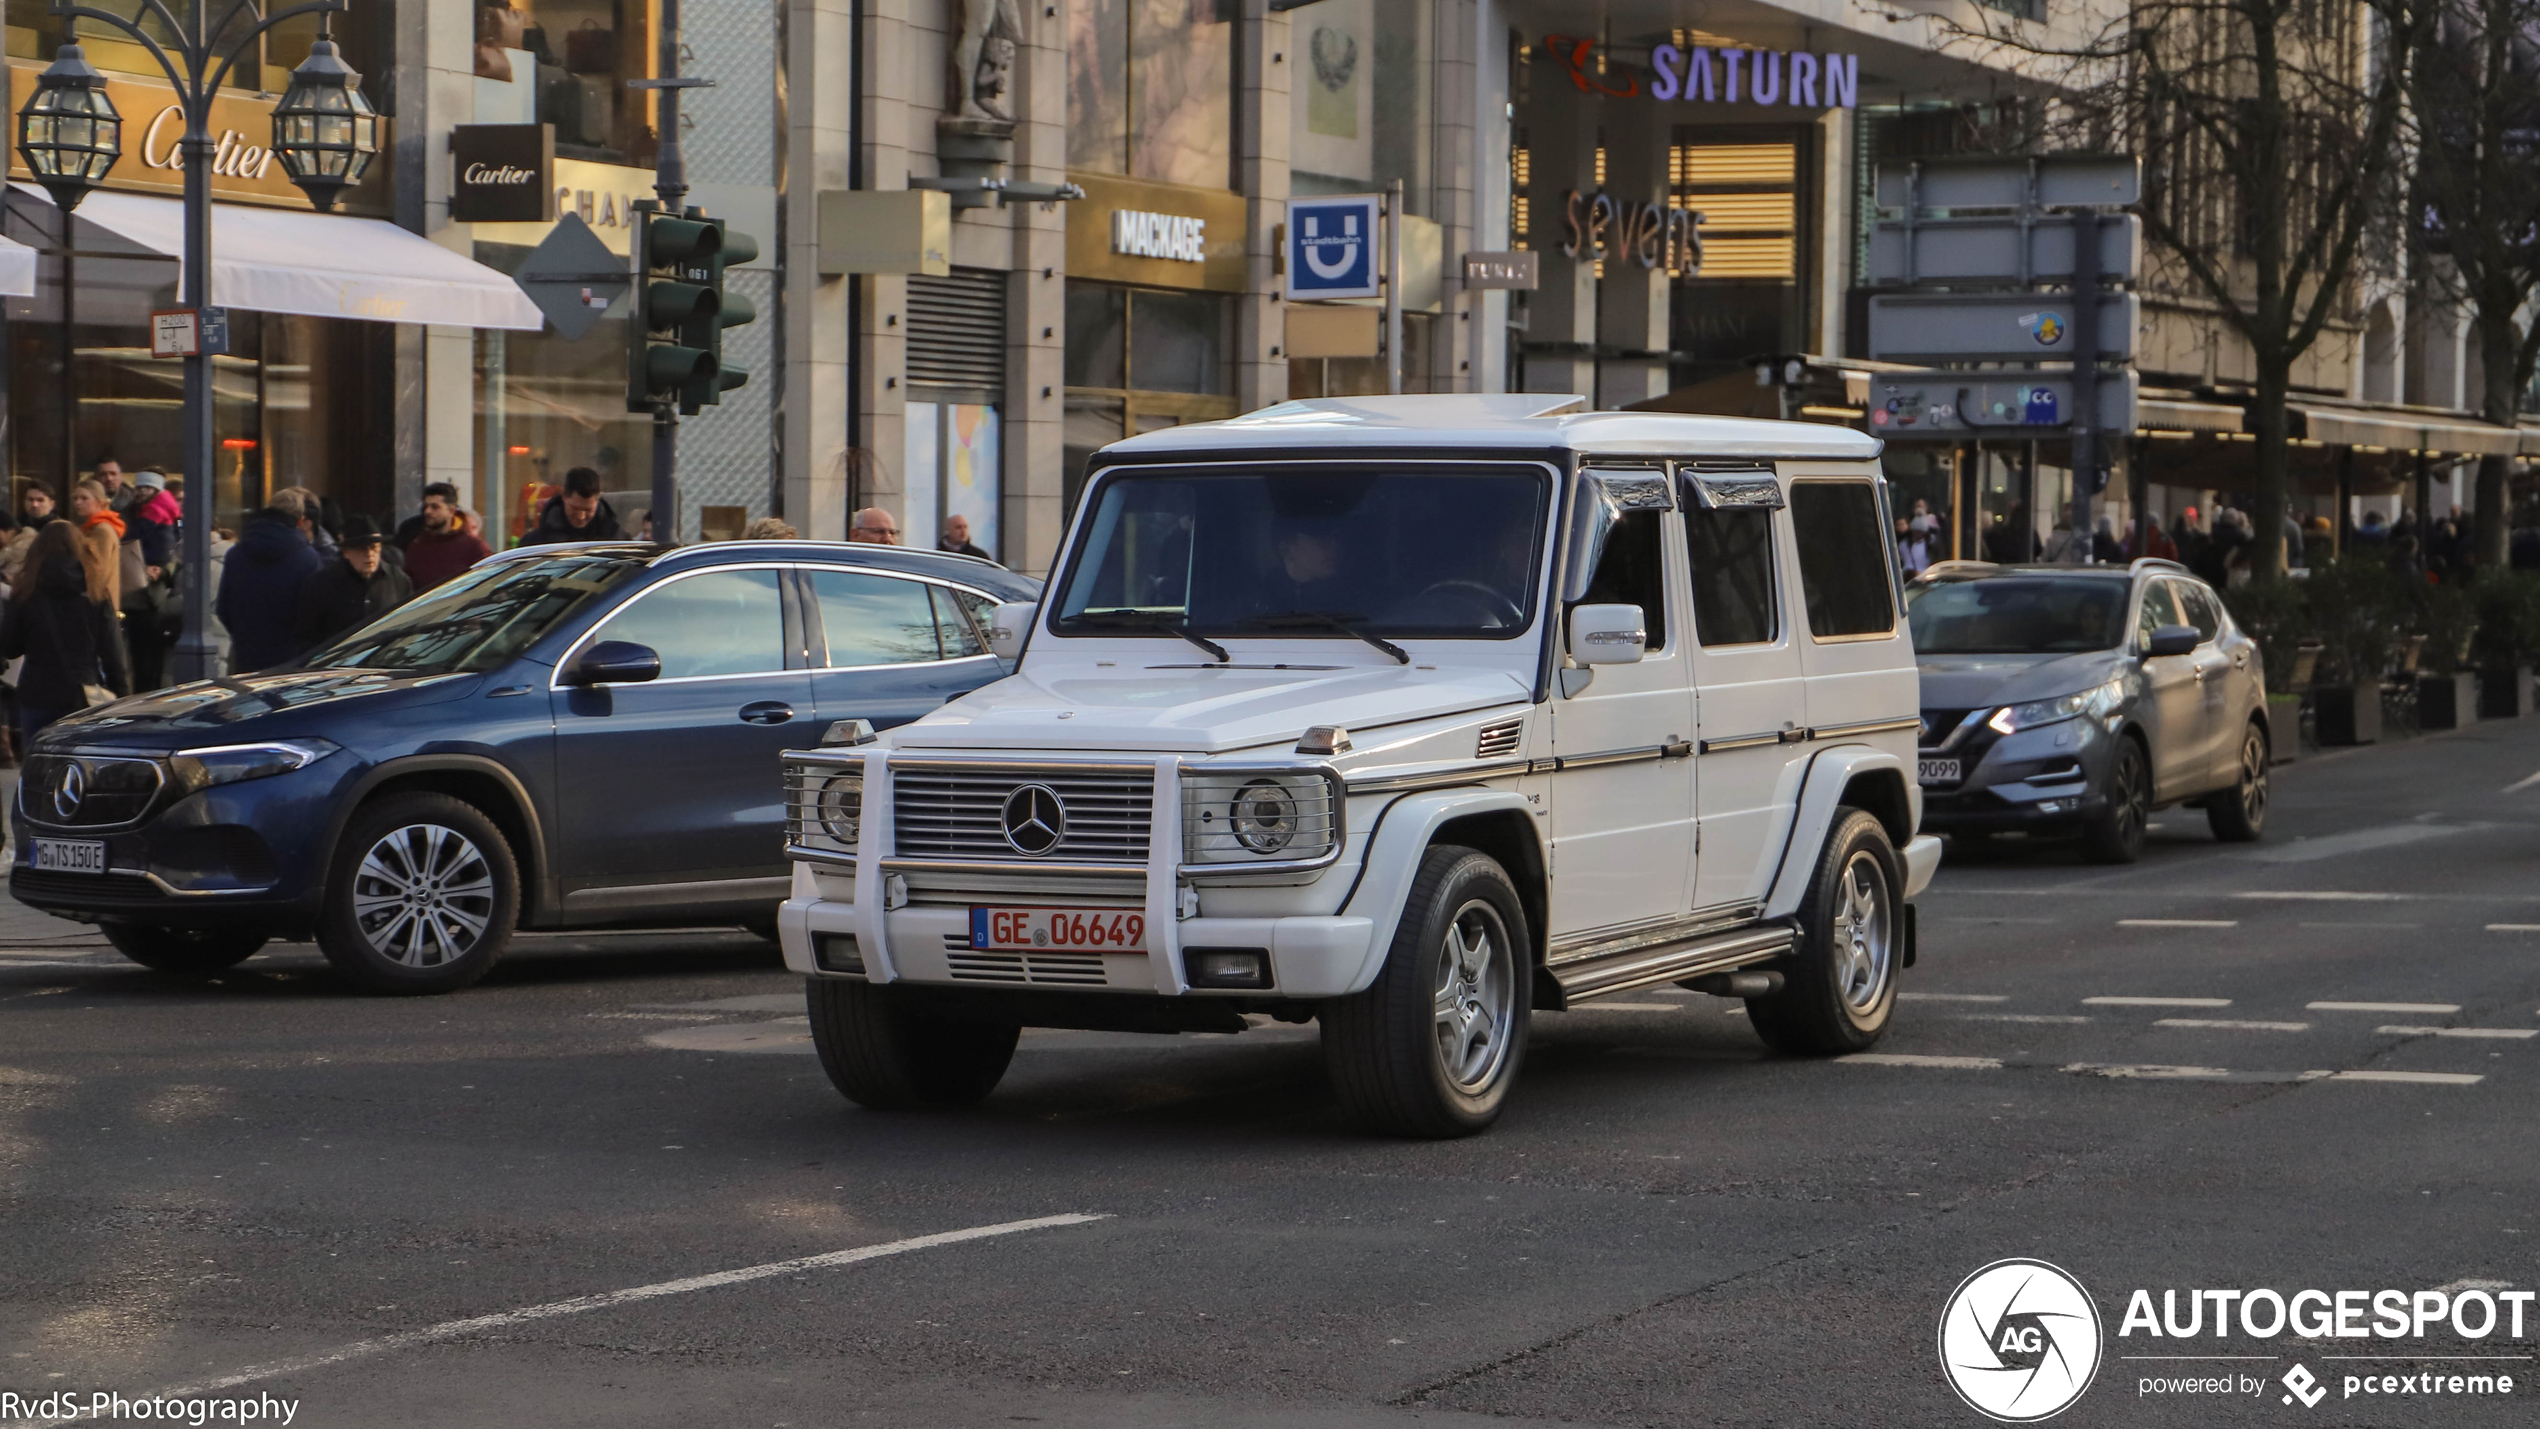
61, 617
101, 530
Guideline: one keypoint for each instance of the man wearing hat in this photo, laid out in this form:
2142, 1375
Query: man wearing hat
351, 591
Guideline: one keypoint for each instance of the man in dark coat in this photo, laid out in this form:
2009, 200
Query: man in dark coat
580, 514
351, 591
260, 589
439, 547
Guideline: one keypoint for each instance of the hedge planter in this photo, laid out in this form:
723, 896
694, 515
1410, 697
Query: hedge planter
2447, 701
2505, 693
2284, 727
2347, 714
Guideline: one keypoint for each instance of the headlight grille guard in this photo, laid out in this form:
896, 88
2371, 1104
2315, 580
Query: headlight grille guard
1204, 785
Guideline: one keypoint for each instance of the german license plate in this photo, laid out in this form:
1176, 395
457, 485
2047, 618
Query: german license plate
70, 856
1939, 771
1058, 930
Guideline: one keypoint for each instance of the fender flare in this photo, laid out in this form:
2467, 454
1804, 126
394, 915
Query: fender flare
533, 877
1400, 836
1821, 792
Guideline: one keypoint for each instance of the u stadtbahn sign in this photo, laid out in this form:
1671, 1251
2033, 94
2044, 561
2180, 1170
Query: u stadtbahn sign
1332, 246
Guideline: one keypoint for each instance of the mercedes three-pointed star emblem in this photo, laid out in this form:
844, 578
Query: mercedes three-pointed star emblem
68, 794
1035, 820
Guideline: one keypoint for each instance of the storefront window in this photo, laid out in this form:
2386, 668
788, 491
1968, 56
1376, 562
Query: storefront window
364, 33
1150, 89
567, 63
546, 405
1360, 110
956, 467
1750, 184
1139, 360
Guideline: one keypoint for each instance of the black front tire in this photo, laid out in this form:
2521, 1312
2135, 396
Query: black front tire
1839, 988
884, 1055
184, 952
2238, 815
2115, 834
421, 897
1431, 1048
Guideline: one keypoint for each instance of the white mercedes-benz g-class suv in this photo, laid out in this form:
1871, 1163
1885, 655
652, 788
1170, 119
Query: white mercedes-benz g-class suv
1413, 716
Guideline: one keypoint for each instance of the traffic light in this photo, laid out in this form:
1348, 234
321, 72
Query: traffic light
664, 359
705, 329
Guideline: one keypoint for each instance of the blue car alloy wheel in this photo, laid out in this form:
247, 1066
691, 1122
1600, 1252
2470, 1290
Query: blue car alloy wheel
422, 897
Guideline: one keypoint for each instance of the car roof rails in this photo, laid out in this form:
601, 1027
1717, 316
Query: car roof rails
1956, 570
2156, 563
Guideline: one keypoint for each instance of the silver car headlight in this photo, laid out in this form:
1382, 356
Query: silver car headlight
839, 808
1259, 816
2100, 703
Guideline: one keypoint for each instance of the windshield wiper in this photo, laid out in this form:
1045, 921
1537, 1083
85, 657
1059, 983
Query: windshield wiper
1153, 620
1328, 620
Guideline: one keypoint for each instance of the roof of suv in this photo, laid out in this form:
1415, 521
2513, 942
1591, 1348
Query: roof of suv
1986, 570
945, 565
1531, 419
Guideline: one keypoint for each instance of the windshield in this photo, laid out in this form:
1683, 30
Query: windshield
484, 617
2023, 615
1321, 555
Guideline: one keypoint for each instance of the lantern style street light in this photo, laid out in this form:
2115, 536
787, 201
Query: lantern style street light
324, 131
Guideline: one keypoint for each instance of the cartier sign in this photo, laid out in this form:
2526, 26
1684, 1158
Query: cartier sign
503, 173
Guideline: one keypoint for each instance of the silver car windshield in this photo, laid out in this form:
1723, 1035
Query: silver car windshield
2017, 615
1429, 552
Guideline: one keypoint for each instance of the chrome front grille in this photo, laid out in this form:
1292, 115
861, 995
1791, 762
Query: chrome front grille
87, 791
943, 812
1500, 740
968, 964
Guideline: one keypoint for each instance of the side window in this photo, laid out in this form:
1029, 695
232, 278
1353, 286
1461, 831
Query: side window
1732, 558
954, 631
875, 620
717, 623
2201, 609
2159, 609
1842, 558
1632, 570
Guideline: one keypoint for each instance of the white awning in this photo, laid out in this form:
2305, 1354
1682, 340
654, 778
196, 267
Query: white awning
17, 270
279, 260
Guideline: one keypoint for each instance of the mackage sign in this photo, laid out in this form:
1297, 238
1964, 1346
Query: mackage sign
503, 173
1722, 74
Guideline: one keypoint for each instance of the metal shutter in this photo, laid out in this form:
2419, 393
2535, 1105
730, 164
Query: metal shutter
956, 330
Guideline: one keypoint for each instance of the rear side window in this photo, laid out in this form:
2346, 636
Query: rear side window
875, 620
717, 623
1732, 559
2197, 603
1632, 570
1842, 558
953, 630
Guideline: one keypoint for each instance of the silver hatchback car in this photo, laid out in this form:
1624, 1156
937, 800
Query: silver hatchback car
2082, 698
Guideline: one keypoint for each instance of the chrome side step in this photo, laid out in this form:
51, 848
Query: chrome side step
1589, 978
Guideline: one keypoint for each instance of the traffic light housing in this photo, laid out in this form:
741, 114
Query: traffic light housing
663, 362
704, 328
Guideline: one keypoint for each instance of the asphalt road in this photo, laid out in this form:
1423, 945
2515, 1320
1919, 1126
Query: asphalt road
270, 1177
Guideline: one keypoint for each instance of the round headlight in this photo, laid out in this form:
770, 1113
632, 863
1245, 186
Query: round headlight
1263, 816
841, 807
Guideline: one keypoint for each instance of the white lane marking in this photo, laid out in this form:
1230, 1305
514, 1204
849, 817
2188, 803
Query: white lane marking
792, 1034
53, 963
2221, 1024
14, 954
2158, 1002
1630, 1007
2426, 1007
657, 1016
2325, 896
2458, 1286
2359, 841
754, 1002
2178, 922
1953, 997
2350, 923
2513, 927
1900, 1059
2519, 785
2016, 1017
2502, 1034
456, 1329
2139, 1071
1984, 918
2428, 1079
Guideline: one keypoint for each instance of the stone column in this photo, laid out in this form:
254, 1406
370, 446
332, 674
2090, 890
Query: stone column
1455, 189
436, 366
1266, 62
819, 119
1634, 298
1560, 127
893, 78
1036, 306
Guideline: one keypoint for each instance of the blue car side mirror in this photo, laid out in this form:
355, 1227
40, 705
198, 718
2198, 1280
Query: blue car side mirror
614, 662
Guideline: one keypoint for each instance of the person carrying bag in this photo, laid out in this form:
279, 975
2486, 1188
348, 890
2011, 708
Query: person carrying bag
62, 619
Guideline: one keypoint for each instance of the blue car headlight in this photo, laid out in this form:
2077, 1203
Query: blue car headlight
231, 763
2101, 704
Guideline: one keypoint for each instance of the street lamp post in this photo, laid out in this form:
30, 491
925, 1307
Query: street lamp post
324, 132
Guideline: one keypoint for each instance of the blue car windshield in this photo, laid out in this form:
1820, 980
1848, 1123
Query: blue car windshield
1430, 552
2018, 615
483, 618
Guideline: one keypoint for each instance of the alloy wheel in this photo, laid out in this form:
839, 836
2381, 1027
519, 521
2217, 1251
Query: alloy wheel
423, 895
2253, 778
1864, 933
1476, 998
2132, 800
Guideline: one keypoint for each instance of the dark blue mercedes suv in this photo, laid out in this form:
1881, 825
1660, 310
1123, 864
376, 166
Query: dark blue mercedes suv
563, 737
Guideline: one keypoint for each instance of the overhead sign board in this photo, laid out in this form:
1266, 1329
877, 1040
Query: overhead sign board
2060, 181
1994, 327
1332, 246
1990, 250
1951, 405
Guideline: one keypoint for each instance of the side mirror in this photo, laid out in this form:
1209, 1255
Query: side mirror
1008, 624
614, 662
1608, 635
2174, 640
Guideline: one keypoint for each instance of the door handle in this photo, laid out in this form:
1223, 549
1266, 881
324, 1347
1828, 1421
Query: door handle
767, 712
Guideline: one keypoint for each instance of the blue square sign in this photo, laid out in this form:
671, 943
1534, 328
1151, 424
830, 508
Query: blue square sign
1332, 246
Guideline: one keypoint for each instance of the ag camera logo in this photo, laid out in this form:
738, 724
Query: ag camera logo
2020, 1341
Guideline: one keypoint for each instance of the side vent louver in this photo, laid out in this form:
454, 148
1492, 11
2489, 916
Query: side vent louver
1500, 740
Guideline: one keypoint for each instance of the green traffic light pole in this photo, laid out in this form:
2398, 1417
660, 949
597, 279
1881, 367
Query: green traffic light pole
670, 185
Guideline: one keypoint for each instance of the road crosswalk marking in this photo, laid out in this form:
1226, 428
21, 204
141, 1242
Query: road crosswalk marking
2222, 1024
2500, 1034
2156, 1002
2178, 922
2424, 1007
